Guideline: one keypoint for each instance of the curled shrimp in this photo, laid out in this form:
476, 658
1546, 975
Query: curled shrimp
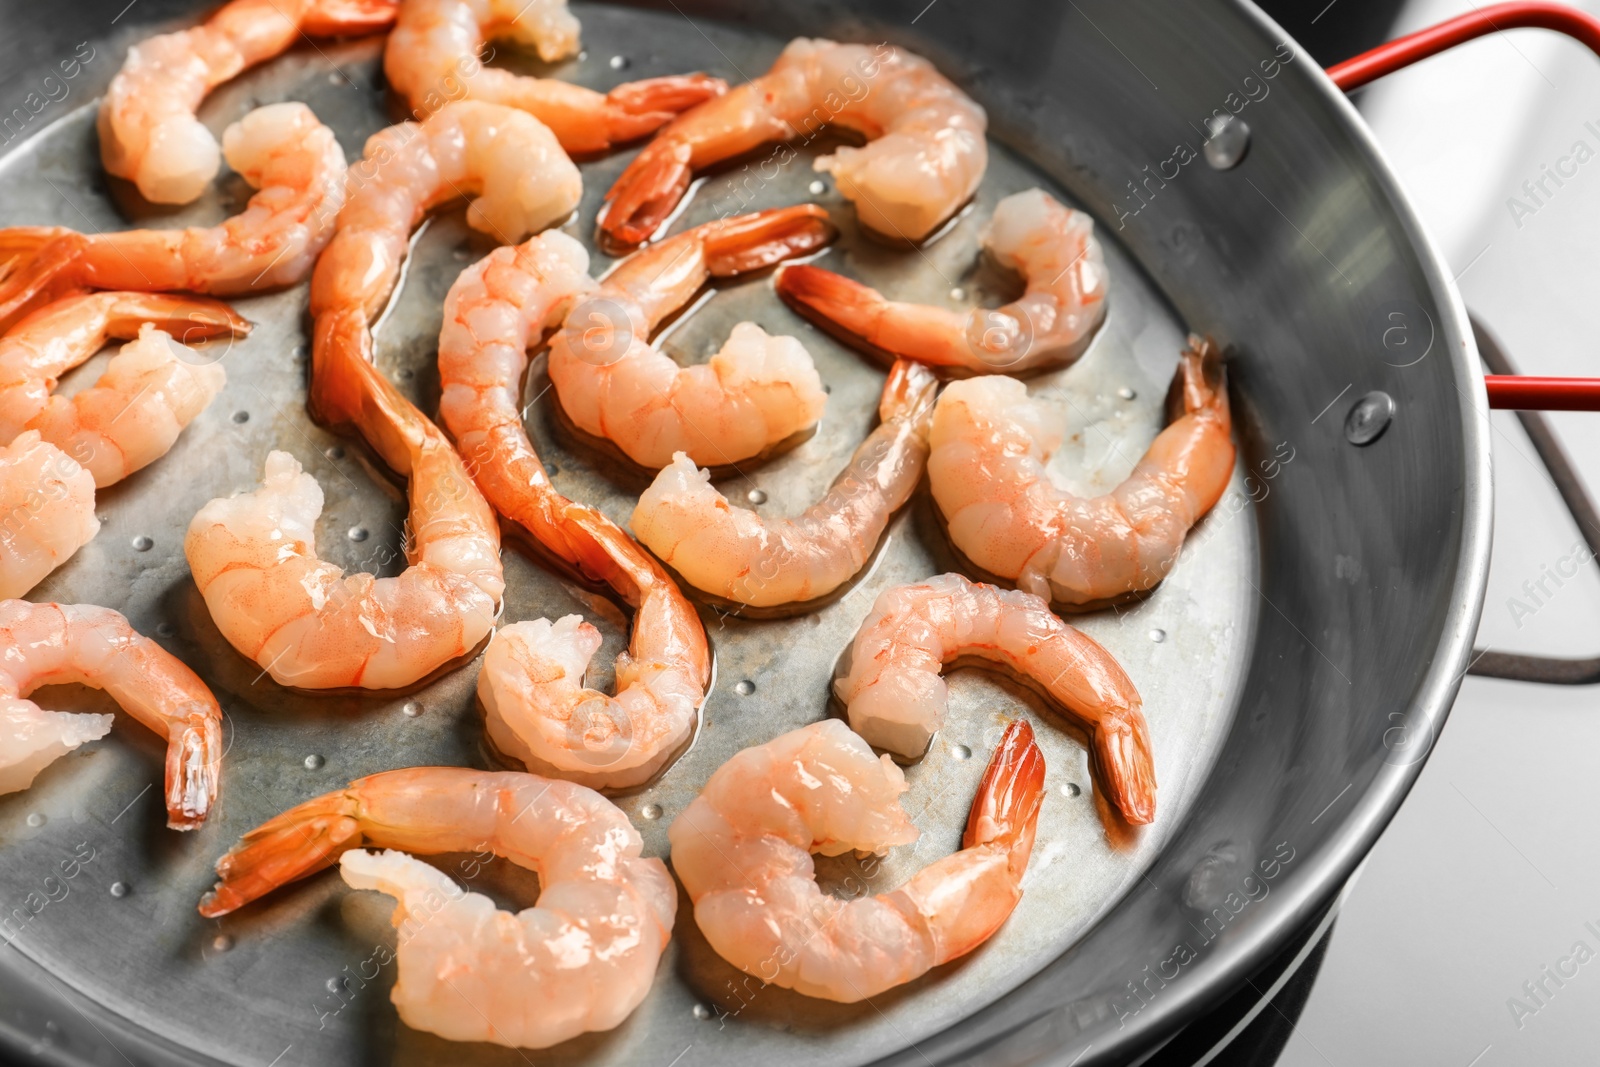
1051, 246
580, 959
889, 679
987, 472
60, 336
282, 150
735, 554
301, 619
46, 511
148, 130
755, 393
924, 158
436, 44
536, 706
507, 161
62, 449
742, 849
56, 644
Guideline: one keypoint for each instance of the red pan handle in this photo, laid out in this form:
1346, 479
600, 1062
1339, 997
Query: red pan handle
1505, 391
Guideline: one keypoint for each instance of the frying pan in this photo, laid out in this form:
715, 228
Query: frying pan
1305, 658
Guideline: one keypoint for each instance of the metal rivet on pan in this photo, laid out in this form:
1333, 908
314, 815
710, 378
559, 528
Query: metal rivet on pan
817, 188
165, 629
1158, 635
334, 452
1228, 143
36, 820
221, 943
1071, 789
651, 811
1369, 418
411, 709
958, 293
551, 469
314, 762
757, 496
119, 889
961, 752
241, 417
702, 1012
619, 62
745, 688
142, 543
357, 533
1126, 393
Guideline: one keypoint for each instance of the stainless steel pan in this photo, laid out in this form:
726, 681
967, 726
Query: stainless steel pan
1296, 666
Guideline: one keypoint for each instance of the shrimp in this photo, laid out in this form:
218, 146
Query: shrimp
756, 392
290, 158
254, 559
254, 555
889, 679
735, 554
436, 44
128, 419
987, 471
581, 959
58, 337
148, 130
1051, 246
505, 159
56, 644
46, 511
742, 849
536, 707
925, 156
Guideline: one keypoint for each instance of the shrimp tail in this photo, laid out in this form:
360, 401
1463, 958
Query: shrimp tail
1006, 809
1122, 751
301, 841
38, 264
194, 764
186, 318
660, 99
845, 308
909, 394
646, 193
1201, 382
348, 18
762, 238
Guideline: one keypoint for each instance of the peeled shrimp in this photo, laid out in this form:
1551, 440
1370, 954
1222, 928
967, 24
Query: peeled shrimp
282, 150
46, 511
742, 849
889, 680
987, 472
537, 708
254, 558
1051, 246
735, 554
506, 160
128, 419
581, 959
435, 47
148, 130
58, 337
925, 156
756, 392
55, 644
